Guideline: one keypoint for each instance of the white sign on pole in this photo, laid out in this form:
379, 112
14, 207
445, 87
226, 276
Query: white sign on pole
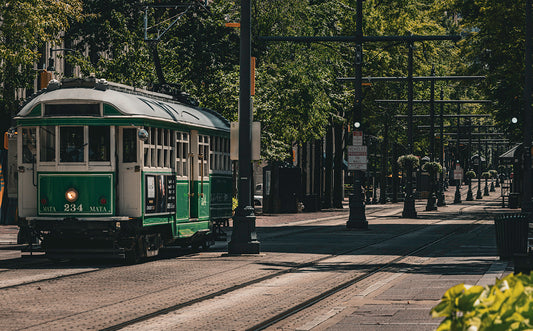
256, 141
458, 173
358, 138
357, 157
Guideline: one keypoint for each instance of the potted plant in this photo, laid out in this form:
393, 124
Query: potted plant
408, 163
433, 168
408, 160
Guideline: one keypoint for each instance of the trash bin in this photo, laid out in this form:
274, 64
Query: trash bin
312, 203
511, 234
514, 200
281, 186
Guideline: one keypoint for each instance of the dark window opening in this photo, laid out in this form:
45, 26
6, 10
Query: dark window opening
99, 138
47, 135
29, 145
71, 144
129, 142
72, 110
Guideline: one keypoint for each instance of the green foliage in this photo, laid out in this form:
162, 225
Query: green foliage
485, 175
488, 27
234, 203
506, 305
25, 26
470, 174
409, 160
432, 167
493, 173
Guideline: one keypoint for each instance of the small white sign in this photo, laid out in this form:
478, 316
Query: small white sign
358, 138
357, 157
458, 173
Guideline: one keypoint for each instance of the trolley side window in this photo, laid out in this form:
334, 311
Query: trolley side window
219, 157
29, 145
47, 142
71, 144
182, 153
158, 152
129, 152
203, 157
99, 145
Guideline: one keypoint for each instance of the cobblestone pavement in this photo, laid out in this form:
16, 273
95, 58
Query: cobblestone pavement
97, 296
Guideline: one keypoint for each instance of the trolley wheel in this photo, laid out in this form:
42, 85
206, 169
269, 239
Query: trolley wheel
133, 256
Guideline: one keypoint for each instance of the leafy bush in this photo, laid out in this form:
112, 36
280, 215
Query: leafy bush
470, 174
405, 161
432, 167
234, 203
493, 173
506, 305
485, 175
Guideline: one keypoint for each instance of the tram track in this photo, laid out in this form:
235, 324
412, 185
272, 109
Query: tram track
323, 295
326, 294
40, 262
186, 303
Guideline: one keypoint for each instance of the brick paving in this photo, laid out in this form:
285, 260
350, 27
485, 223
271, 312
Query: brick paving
386, 301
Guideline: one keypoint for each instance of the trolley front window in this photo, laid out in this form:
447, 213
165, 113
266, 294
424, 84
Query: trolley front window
99, 143
71, 144
47, 137
29, 145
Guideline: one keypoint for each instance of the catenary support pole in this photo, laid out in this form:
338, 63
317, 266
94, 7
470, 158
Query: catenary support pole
527, 204
409, 210
357, 217
244, 237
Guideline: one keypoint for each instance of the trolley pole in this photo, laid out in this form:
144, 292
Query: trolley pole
244, 237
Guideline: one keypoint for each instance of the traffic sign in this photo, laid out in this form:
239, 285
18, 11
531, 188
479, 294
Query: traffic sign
357, 157
357, 138
458, 173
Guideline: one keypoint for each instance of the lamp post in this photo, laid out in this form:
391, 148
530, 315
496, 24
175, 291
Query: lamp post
441, 201
527, 204
357, 217
432, 198
478, 193
409, 210
457, 198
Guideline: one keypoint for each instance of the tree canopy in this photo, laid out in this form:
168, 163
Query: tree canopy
298, 95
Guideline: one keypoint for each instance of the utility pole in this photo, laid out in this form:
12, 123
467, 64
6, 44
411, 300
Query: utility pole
244, 237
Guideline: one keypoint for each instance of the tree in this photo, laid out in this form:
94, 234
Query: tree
494, 47
25, 26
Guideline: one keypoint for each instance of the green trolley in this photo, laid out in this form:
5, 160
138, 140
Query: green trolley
106, 169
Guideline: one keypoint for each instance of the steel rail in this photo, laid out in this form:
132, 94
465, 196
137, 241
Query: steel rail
301, 306
324, 295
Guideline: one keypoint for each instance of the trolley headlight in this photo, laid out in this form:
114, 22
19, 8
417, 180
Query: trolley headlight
71, 195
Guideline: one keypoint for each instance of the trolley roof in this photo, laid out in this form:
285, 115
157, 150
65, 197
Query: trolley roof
128, 101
